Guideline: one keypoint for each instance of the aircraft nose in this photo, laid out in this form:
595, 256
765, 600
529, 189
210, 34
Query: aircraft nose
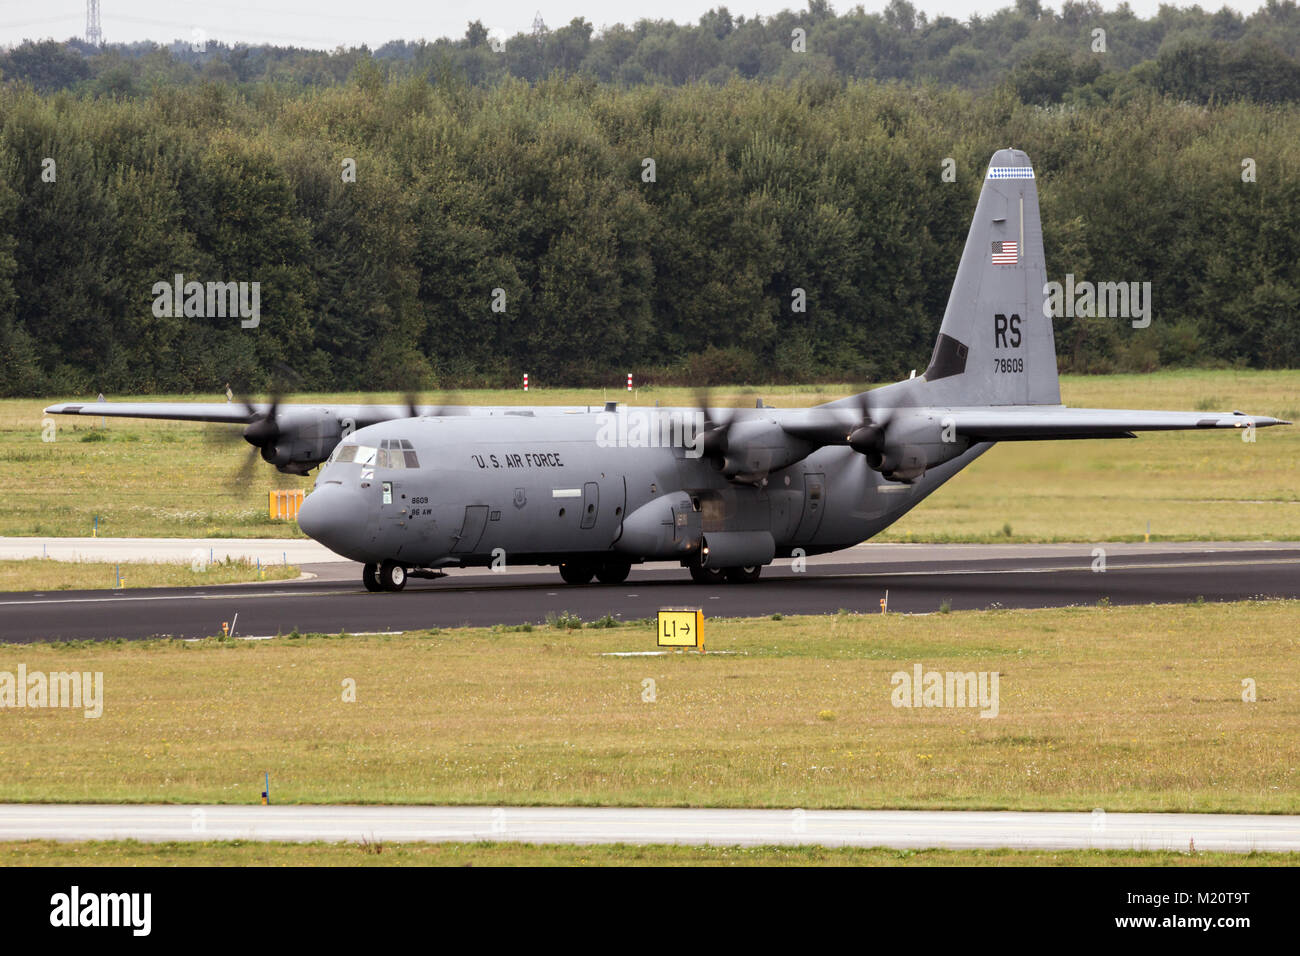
332, 516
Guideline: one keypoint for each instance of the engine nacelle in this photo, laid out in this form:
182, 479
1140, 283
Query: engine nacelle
303, 439
756, 448
912, 446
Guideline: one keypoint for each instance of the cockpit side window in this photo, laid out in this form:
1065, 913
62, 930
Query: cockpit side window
345, 453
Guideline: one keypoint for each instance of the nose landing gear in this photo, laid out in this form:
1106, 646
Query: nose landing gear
389, 576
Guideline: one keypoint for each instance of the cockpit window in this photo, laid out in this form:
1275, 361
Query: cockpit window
391, 453
395, 453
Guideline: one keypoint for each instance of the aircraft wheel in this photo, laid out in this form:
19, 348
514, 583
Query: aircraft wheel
370, 577
576, 572
392, 576
744, 575
613, 572
706, 575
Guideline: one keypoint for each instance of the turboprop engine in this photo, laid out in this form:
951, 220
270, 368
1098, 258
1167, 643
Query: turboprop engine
294, 441
902, 447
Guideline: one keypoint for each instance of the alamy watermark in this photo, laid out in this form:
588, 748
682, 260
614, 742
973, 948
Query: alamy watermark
76, 908
211, 300
651, 428
922, 688
82, 690
1102, 300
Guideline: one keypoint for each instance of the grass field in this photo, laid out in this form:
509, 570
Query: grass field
170, 479
37, 574
1126, 709
131, 853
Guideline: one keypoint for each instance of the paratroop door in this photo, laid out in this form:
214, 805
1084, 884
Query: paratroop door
814, 503
472, 529
590, 504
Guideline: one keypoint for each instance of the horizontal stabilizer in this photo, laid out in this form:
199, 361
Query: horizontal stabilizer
1038, 422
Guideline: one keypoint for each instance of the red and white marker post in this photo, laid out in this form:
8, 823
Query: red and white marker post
525, 381
629, 381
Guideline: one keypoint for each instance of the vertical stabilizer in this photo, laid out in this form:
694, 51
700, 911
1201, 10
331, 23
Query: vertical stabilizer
995, 346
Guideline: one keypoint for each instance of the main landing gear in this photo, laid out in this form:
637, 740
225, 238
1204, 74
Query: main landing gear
612, 571
703, 575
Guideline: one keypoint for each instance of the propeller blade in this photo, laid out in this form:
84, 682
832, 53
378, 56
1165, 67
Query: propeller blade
240, 479
716, 427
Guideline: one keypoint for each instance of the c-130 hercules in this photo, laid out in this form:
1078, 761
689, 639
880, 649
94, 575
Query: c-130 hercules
724, 492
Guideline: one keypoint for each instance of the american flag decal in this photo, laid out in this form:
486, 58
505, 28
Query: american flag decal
1004, 252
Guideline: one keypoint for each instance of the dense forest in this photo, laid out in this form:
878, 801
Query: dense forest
412, 223
1082, 54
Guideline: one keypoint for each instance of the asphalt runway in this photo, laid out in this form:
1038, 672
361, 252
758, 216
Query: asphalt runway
898, 829
917, 579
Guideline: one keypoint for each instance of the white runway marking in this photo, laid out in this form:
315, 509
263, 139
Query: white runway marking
301, 551
901, 829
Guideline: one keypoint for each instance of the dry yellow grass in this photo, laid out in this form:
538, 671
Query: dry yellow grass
164, 478
131, 853
36, 574
1122, 708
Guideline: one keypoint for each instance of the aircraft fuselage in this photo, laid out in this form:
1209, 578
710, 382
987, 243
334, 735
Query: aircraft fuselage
541, 490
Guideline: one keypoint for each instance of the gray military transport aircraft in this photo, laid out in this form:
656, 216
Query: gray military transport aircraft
408, 491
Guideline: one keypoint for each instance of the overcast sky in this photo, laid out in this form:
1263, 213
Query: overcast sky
330, 23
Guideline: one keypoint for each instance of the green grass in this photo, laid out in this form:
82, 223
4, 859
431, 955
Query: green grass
169, 479
1124, 708
37, 574
241, 853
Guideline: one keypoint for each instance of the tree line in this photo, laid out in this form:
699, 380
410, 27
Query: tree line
408, 233
1083, 53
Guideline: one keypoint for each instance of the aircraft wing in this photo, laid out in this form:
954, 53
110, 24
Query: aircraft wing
294, 438
235, 412
1040, 422
239, 413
